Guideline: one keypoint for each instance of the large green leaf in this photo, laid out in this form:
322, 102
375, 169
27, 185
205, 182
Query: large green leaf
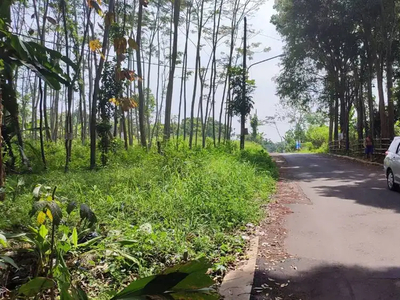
36, 285
79, 294
194, 281
153, 285
71, 206
8, 260
14, 235
3, 240
37, 206
75, 237
64, 291
36, 191
5, 10
41, 60
198, 265
55, 211
43, 231
18, 47
186, 278
50, 79
134, 287
86, 213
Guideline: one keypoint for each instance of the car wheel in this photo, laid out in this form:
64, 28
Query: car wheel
390, 181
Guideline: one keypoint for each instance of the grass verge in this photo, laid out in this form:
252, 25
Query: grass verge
153, 210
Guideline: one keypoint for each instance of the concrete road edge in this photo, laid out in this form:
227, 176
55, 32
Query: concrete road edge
356, 159
237, 284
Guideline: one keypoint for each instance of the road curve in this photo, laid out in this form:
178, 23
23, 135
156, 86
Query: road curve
346, 244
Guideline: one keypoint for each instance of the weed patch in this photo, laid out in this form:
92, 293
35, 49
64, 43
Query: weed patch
153, 210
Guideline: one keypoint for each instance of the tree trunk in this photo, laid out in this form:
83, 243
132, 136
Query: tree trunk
360, 113
2, 167
123, 121
184, 79
243, 116
336, 130
382, 111
170, 88
142, 120
331, 119
99, 70
34, 111
68, 117
196, 73
389, 81
41, 125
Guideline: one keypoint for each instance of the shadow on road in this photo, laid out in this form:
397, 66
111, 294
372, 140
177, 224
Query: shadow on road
344, 179
325, 179
328, 282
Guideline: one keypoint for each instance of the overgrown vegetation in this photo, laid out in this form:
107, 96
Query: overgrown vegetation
67, 231
336, 53
152, 210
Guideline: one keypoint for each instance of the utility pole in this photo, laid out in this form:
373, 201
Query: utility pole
243, 115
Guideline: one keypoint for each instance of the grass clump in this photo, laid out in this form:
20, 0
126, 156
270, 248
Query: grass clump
154, 210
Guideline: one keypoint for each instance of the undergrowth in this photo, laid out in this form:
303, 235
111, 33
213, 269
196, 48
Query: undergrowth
153, 210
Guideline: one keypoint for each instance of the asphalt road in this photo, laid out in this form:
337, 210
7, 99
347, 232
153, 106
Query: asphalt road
346, 244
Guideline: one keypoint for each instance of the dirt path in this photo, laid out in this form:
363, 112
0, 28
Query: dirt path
332, 233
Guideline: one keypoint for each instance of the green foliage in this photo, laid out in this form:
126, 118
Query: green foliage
153, 210
111, 88
314, 139
41, 60
240, 105
53, 239
317, 136
179, 282
397, 128
35, 286
254, 123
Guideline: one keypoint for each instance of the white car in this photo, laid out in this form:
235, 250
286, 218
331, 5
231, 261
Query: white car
391, 164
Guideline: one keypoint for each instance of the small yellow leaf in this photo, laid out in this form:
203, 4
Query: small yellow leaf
48, 213
94, 45
41, 217
49, 198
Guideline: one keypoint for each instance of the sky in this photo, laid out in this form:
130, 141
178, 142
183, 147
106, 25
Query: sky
265, 97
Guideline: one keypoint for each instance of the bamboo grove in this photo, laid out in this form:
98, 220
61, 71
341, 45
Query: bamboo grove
142, 71
342, 56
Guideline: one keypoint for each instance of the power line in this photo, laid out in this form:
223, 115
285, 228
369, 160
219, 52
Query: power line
270, 37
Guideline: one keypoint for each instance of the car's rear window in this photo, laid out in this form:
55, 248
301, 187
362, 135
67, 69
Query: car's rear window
395, 144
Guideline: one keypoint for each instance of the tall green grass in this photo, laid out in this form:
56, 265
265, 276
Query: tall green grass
193, 202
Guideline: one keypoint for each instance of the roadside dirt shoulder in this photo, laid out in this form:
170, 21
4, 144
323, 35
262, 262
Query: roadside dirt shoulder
272, 233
